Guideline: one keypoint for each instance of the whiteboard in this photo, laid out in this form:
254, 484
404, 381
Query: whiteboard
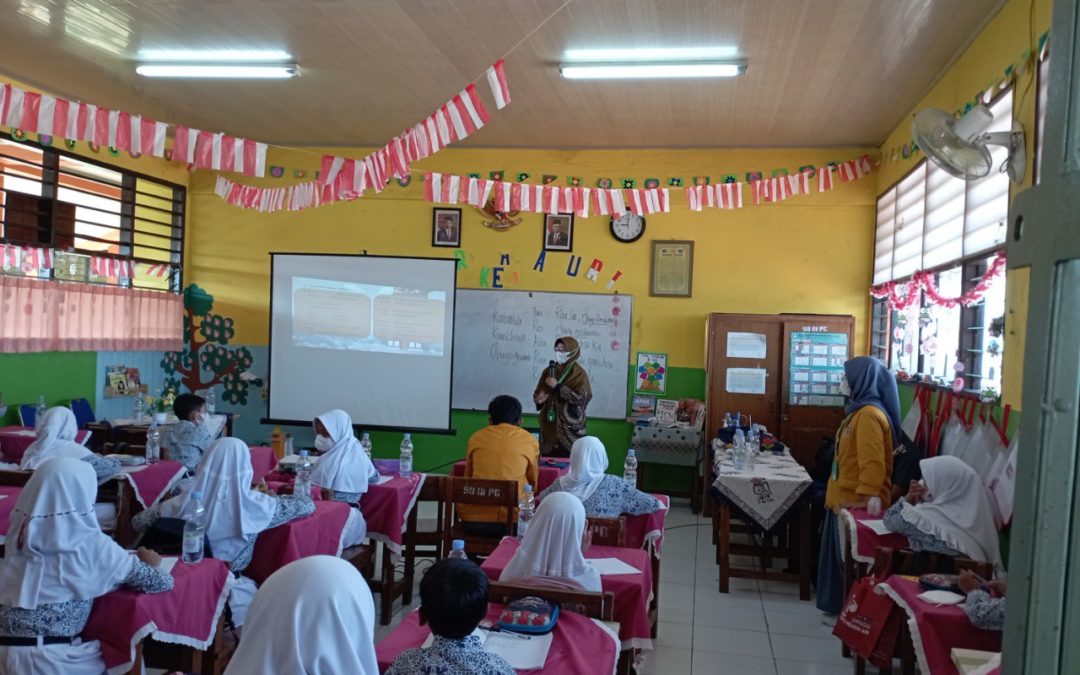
504, 339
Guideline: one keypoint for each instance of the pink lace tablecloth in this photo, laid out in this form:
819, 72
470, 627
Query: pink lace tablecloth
632, 591
936, 631
549, 471
317, 534
8, 497
186, 615
580, 646
14, 441
151, 482
647, 531
263, 461
863, 540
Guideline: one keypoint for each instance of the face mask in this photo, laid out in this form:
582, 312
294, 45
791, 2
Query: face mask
204, 421
323, 443
561, 357
845, 388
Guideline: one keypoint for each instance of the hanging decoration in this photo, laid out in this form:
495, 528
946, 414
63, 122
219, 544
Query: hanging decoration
722, 196
111, 267
13, 256
900, 296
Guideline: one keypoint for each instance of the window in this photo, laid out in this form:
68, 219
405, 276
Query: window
101, 221
933, 221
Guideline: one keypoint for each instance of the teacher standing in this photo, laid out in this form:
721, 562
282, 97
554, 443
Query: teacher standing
561, 397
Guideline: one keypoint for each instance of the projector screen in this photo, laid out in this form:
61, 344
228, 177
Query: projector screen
371, 335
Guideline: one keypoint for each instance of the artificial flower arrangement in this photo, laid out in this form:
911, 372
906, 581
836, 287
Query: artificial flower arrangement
163, 403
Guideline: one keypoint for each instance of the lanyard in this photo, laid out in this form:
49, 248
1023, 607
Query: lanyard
551, 409
836, 454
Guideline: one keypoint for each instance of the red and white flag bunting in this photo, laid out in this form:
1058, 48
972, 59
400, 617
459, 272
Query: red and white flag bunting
15, 256
111, 267
722, 196
269, 200
160, 270
75, 121
455, 120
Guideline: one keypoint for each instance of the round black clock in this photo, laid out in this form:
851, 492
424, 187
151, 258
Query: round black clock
628, 227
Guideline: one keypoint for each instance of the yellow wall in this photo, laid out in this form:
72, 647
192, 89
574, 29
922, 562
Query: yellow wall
810, 254
1015, 28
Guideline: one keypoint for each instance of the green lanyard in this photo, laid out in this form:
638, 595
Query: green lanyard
551, 410
836, 454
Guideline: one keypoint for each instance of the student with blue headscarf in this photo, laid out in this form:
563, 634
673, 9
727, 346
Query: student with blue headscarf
862, 466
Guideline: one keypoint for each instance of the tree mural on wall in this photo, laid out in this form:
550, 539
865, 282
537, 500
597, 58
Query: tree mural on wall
206, 361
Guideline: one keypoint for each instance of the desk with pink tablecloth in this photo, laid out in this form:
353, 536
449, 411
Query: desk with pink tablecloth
317, 534
647, 531
580, 645
936, 631
548, 471
187, 615
859, 541
633, 592
151, 482
14, 440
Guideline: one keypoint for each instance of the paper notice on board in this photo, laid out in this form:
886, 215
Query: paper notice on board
746, 345
746, 380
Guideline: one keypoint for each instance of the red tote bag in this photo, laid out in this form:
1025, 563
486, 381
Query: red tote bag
869, 623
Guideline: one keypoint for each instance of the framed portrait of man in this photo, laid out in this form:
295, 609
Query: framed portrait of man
446, 227
559, 232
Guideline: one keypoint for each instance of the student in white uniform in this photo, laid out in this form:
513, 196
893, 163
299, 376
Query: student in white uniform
552, 545
344, 469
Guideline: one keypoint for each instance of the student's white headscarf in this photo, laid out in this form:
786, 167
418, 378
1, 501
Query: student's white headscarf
233, 509
959, 511
552, 544
55, 551
588, 466
345, 467
55, 438
314, 616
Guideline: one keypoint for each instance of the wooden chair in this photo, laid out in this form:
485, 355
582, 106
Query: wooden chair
607, 531
427, 542
123, 448
478, 491
15, 477
362, 557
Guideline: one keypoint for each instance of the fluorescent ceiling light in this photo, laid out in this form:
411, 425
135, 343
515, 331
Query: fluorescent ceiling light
280, 71
651, 54
207, 56
641, 71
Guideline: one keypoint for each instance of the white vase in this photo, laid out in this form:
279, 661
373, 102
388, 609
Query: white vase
160, 418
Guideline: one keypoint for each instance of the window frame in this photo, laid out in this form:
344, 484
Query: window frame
128, 205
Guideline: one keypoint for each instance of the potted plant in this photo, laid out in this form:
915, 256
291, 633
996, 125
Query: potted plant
162, 406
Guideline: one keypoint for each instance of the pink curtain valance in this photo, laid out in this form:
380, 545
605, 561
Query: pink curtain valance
48, 316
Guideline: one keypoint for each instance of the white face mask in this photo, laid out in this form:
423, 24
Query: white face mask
561, 357
323, 443
845, 388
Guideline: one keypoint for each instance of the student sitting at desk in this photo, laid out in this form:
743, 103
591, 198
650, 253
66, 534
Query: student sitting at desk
603, 495
235, 513
314, 616
56, 561
552, 546
453, 602
56, 438
984, 611
344, 469
500, 451
189, 438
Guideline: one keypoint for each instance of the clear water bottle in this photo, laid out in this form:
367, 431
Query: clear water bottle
629, 471
289, 447
405, 466
211, 402
302, 485
153, 444
727, 420
526, 509
739, 455
365, 443
194, 528
457, 549
140, 409
753, 441
39, 412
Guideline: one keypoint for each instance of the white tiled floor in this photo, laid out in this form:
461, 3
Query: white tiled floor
759, 628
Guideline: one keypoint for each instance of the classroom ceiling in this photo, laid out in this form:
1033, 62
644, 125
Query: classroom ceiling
821, 72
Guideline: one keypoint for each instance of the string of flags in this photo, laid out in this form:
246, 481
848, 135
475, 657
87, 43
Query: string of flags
34, 258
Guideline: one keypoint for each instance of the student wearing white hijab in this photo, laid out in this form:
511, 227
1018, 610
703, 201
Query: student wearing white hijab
315, 616
950, 514
604, 495
552, 545
344, 469
56, 561
235, 513
56, 438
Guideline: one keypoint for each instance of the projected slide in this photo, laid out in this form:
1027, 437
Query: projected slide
330, 314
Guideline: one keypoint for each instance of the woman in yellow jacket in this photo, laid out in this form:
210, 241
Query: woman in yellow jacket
862, 466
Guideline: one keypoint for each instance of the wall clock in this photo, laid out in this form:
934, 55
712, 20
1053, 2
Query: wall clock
628, 227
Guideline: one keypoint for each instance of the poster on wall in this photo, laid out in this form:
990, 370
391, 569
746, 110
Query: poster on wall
817, 366
651, 374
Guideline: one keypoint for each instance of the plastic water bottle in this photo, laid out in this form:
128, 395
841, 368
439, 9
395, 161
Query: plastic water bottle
211, 402
365, 443
753, 441
302, 485
526, 509
739, 455
140, 408
39, 412
153, 444
457, 549
405, 466
629, 472
194, 528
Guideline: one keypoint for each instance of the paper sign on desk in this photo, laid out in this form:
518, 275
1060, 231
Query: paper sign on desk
746, 380
746, 346
612, 566
878, 526
382, 479
522, 652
